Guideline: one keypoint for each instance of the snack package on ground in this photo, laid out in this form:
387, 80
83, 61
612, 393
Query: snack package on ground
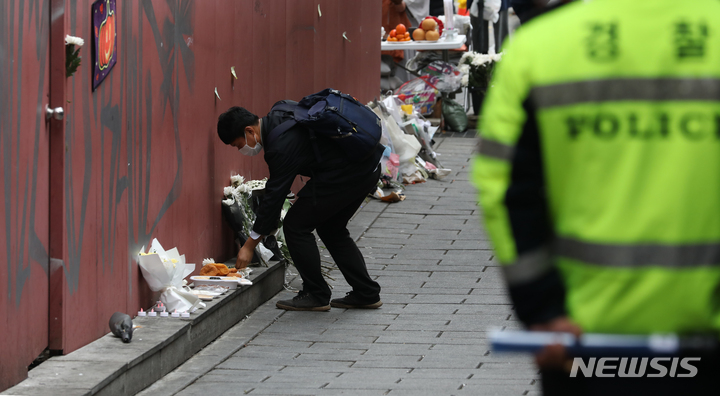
414, 178
388, 196
164, 272
390, 166
433, 171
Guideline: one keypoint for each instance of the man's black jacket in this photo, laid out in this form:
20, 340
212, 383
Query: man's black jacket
292, 154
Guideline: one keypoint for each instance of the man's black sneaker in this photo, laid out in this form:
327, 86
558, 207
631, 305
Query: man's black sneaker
302, 302
352, 301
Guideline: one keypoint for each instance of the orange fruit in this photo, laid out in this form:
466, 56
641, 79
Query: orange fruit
393, 33
428, 24
432, 35
419, 34
401, 29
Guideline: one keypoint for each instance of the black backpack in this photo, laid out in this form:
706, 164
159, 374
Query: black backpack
332, 114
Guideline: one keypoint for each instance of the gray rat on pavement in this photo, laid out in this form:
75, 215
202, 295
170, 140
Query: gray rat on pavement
121, 325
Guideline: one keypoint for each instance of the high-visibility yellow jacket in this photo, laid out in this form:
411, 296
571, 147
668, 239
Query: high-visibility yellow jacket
599, 166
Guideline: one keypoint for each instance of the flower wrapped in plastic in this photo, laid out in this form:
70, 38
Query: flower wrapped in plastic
477, 68
165, 271
242, 199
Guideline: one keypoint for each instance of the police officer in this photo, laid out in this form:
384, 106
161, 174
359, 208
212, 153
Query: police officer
599, 177
336, 189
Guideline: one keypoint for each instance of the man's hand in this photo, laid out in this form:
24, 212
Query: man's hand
245, 255
553, 357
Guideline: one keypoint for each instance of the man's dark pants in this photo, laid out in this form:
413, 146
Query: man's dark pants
329, 215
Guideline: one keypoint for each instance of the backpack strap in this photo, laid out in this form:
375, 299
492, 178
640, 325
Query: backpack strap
280, 129
285, 125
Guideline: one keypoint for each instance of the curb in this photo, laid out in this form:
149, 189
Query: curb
109, 367
160, 349
243, 333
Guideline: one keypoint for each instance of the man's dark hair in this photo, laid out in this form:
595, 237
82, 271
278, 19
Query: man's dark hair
231, 124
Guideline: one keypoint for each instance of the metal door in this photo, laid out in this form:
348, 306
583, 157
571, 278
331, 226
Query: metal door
24, 185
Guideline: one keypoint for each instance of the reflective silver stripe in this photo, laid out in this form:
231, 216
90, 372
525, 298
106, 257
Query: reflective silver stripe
528, 267
495, 149
639, 255
647, 89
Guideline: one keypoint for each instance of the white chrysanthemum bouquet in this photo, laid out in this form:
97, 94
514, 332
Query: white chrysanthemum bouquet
238, 212
477, 69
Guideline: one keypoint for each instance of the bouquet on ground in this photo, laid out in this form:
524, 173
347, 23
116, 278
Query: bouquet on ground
241, 200
477, 69
165, 271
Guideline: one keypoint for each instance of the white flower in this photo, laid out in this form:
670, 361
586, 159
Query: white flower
256, 184
236, 180
228, 191
469, 54
481, 60
465, 80
464, 69
74, 41
228, 201
242, 189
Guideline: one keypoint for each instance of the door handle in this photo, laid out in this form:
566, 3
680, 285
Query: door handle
56, 113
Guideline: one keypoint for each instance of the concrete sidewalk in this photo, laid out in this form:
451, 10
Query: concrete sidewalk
442, 290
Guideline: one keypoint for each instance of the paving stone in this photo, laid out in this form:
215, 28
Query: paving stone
405, 254
399, 349
488, 299
391, 361
405, 261
435, 291
443, 291
430, 309
321, 392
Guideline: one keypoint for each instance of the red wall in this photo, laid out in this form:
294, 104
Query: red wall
142, 159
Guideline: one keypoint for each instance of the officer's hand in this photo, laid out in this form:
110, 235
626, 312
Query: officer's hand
560, 324
554, 357
244, 257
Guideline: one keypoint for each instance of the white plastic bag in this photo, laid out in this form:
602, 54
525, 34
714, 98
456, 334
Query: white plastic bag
491, 10
406, 146
164, 272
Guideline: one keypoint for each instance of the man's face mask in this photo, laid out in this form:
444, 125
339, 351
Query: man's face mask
251, 151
